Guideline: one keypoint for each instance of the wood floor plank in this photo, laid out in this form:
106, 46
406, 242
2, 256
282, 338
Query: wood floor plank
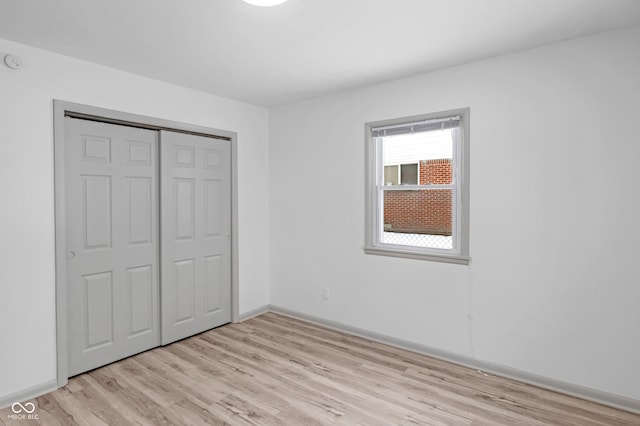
191, 413
462, 376
277, 370
335, 376
475, 406
284, 380
224, 368
318, 376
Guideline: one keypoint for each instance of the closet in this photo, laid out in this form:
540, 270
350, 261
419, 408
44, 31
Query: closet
147, 238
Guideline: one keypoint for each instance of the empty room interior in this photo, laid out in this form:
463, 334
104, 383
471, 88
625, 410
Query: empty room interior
315, 212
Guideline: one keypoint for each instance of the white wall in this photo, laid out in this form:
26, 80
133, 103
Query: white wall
553, 288
27, 312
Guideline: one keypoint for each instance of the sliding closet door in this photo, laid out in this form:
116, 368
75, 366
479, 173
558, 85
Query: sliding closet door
196, 234
112, 244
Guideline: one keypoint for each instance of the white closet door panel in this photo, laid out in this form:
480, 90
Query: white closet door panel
196, 230
112, 244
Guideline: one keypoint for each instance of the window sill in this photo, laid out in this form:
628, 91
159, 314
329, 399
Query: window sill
409, 254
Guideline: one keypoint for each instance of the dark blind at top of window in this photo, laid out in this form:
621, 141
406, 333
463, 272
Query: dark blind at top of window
416, 127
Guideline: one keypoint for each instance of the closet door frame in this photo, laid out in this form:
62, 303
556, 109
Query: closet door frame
62, 109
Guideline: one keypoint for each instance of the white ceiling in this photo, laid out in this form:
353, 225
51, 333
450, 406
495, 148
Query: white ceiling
303, 48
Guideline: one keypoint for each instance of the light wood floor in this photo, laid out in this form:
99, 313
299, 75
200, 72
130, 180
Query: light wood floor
274, 370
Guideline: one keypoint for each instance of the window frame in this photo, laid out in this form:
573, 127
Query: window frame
460, 205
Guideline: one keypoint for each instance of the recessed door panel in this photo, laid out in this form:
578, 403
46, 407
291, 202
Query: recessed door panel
139, 153
186, 287
142, 299
214, 207
214, 282
140, 210
184, 156
112, 261
96, 206
96, 149
184, 196
99, 309
213, 159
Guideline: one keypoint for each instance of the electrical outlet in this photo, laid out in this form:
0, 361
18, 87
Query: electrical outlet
325, 293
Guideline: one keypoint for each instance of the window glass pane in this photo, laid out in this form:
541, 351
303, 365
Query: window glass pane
418, 218
390, 175
409, 174
426, 155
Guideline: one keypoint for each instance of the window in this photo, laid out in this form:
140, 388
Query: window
391, 175
408, 174
418, 187
401, 174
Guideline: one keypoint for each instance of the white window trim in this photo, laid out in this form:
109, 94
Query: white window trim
373, 203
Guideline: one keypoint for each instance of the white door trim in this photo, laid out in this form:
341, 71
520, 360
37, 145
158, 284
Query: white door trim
62, 109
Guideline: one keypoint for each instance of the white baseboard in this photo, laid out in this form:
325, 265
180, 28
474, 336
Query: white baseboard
605, 398
27, 394
254, 313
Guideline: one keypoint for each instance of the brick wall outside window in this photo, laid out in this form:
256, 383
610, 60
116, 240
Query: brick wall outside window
422, 212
